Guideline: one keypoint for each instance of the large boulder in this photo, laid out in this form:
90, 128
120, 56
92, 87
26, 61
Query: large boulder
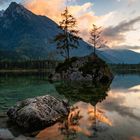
88, 68
37, 113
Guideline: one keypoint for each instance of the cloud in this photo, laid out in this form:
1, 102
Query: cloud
134, 138
85, 18
117, 103
78, 10
50, 8
4, 1
129, 1
133, 12
53, 8
116, 34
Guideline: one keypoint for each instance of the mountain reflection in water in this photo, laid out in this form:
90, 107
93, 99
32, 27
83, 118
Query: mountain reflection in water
83, 119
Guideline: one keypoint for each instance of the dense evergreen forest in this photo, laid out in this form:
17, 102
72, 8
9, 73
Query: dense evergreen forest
47, 64
125, 68
28, 64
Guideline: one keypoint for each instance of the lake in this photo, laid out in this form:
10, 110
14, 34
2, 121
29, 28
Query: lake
103, 112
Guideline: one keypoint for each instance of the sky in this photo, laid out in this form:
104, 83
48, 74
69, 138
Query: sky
119, 19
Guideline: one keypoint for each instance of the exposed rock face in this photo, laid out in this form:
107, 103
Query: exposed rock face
89, 68
5, 134
37, 113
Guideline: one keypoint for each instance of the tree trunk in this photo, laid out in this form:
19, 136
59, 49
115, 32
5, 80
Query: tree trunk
68, 53
94, 51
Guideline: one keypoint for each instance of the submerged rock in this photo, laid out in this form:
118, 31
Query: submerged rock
37, 113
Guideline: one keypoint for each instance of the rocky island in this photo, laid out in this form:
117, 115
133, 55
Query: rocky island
88, 68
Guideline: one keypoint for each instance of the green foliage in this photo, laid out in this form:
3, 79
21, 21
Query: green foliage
28, 64
96, 39
67, 39
104, 79
65, 65
125, 68
94, 66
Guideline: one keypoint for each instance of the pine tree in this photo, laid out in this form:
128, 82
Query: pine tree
68, 38
95, 38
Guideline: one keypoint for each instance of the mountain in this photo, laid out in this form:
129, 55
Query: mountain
1, 13
24, 35
119, 56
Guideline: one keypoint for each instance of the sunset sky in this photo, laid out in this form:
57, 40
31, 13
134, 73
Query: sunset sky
120, 19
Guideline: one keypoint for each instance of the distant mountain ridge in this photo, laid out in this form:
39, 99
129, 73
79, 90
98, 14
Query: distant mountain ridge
119, 56
24, 35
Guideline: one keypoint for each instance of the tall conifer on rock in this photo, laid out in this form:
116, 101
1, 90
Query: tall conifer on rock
67, 39
96, 39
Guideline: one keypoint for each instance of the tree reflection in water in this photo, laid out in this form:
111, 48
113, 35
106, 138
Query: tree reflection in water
84, 119
83, 91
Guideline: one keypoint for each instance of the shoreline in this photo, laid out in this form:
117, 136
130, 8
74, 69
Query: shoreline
3, 71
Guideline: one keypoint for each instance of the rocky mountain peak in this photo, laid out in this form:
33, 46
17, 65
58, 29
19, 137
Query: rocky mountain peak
15, 9
1, 13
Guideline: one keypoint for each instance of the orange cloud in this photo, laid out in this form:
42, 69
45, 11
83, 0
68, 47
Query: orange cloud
135, 138
85, 18
54, 8
50, 8
83, 13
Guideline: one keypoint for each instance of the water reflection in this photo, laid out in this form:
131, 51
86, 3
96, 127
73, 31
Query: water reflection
125, 81
17, 88
118, 106
83, 91
122, 105
84, 120
135, 138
